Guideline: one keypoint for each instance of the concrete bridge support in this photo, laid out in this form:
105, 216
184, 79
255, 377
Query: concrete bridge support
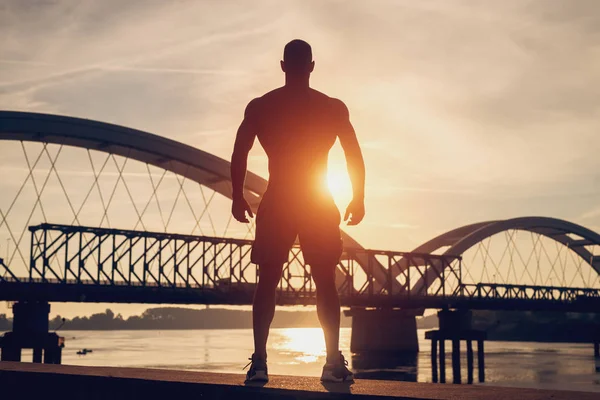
30, 331
380, 330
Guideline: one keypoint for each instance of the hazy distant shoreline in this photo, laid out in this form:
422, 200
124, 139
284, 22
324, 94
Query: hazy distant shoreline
174, 318
543, 327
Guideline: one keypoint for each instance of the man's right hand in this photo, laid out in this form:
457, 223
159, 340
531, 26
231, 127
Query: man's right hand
239, 208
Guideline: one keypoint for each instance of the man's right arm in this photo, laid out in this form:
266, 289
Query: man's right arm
239, 162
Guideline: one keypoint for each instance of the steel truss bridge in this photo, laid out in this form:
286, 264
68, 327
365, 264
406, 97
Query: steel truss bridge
139, 220
85, 264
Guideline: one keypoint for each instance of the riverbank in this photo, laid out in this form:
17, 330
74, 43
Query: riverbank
301, 351
35, 381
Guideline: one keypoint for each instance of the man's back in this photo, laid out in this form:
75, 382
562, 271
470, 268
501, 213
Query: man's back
297, 128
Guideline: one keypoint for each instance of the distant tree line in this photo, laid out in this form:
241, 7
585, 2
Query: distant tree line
500, 325
177, 318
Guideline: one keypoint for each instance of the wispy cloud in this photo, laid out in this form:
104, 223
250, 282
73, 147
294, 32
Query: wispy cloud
465, 111
399, 225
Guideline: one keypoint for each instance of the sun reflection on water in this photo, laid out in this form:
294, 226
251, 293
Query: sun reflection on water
305, 344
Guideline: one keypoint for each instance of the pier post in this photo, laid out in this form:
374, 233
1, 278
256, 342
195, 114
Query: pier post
456, 361
597, 355
10, 352
53, 353
442, 361
434, 367
37, 355
469, 361
480, 361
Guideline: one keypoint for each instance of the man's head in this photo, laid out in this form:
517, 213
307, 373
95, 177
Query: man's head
297, 58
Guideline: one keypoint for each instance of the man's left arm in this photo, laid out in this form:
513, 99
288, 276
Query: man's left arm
355, 164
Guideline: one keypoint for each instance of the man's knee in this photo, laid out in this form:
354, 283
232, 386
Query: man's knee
323, 274
269, 275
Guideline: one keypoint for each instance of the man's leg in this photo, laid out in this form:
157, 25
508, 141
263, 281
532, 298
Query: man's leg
263, 307
328, 307
322, 248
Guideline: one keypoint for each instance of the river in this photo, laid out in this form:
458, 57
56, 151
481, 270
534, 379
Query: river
300, 351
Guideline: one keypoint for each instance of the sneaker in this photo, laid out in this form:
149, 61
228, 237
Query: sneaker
337, 371
257, 371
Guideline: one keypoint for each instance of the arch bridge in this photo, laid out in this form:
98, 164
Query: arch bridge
98, 212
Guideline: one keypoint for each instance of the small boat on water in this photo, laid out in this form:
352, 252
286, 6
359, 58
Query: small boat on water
83, 352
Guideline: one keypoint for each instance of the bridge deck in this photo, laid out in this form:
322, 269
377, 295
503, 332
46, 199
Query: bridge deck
36, 381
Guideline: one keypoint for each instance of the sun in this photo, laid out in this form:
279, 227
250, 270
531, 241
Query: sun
339, 184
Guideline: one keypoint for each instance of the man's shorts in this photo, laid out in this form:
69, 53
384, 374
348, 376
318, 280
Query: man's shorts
279, 222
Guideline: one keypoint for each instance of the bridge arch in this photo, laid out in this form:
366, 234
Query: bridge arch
192, 163
458, 241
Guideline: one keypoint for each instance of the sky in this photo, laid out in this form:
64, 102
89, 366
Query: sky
466, 111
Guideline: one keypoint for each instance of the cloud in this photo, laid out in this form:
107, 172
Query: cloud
403, 226
465, 110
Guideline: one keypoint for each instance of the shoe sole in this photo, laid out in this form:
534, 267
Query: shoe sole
333, 379
259, 376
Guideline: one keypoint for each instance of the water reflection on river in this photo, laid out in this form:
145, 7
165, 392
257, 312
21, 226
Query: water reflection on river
300, 351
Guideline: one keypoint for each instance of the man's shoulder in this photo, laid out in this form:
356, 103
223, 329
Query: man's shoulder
266, 98
256, 104
270, 95
334, 104
338, 105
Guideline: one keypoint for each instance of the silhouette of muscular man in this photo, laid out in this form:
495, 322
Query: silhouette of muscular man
297, 126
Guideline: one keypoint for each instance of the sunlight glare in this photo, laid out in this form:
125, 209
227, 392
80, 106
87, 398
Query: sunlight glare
309, 342
339, 184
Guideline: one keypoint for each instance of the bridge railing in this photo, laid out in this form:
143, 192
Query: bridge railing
101, 256
359, 266
497, 291
71, 263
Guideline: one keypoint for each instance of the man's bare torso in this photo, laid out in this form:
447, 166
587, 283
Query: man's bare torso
297, 128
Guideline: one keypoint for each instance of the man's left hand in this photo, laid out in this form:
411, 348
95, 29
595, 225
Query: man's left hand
355, 212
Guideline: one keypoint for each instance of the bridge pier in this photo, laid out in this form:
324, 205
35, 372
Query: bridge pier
381, 330
30, 331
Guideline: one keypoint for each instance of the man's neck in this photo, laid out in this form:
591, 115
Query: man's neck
297, 82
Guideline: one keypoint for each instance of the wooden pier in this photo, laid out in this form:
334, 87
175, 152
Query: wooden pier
455, 326
439, 337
